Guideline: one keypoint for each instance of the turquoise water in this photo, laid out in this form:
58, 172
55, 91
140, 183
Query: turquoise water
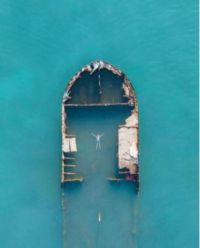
42, 45
117, 202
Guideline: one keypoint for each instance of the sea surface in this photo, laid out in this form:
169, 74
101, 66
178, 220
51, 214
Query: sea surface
42, 45
95, 210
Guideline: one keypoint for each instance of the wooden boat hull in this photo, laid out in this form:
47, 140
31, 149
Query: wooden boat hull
90, 88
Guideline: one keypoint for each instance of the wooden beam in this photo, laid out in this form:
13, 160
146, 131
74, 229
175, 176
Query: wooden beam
68, 180
96, 104
69, 158
69, 165
69, 173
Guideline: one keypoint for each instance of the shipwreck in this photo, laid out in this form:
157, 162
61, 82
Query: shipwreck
90, 88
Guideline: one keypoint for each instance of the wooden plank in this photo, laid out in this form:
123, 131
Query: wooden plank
69, 165
73, 146
69, 173
96, 104
66, 145
68, 180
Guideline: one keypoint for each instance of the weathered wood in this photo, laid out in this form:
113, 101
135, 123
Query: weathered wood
69, 165
70, 158
69, 173
127, 133
128, 126
128, 144
77, 179
73, 146
96, 104
69, 144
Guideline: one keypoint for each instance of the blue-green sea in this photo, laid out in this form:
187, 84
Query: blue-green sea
42, 45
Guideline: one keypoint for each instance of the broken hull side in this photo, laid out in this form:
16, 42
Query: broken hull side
99, 84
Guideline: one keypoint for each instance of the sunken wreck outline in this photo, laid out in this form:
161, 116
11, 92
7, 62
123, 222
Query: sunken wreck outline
128, 145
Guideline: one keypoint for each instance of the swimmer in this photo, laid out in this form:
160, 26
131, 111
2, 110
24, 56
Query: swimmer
98, 137
99, 217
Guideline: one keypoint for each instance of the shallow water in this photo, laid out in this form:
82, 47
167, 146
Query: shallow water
42, 45
83, 202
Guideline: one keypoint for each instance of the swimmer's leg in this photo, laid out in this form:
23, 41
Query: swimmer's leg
99, 145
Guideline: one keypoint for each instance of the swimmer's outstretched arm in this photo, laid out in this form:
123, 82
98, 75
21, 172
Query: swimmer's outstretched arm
101, 135
93, 135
